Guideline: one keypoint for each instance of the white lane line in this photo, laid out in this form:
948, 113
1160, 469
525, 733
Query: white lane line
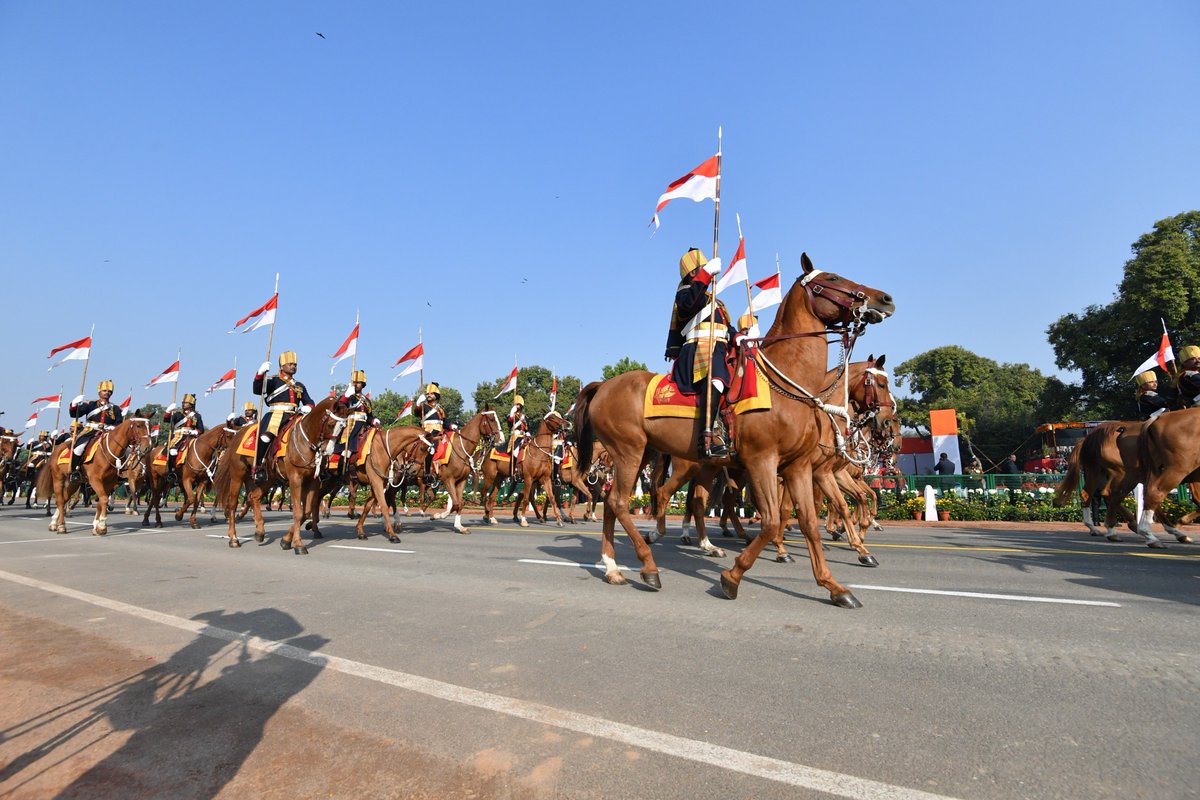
578, 564
68, 538
988, 596
376, 549
706, 753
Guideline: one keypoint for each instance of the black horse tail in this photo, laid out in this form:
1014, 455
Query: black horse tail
583, 424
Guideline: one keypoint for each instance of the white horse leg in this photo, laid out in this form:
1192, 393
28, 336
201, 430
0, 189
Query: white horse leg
458, 526
1090, 522
1144, 523
710, 549
611, 569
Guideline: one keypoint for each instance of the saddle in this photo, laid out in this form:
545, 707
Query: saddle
749, 392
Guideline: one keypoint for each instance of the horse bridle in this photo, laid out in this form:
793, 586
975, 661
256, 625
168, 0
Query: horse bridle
315, 448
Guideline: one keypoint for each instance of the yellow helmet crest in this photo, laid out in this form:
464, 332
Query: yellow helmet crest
249, 406
518, 400
105, 385
288, 357
189, 398
433, 388
358, 376
692, 259
1189, 352
1149, 376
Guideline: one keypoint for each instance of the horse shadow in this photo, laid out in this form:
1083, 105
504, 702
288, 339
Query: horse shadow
190, 731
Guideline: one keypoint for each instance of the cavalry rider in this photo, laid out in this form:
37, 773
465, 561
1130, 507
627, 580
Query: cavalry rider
520, 429
95, 416
284, 396
249, 415
39, 448
433, 421
360, 416
185, 423
1188, 380
1149, 402
688, 343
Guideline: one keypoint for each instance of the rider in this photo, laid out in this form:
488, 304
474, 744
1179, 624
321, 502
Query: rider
361, 415
520, 429
285, 396
1149, 402
186, 423
1188, 380
688, 343
96, 415
433, 421
249, 415
39, 448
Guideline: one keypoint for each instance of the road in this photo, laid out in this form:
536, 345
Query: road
985, 663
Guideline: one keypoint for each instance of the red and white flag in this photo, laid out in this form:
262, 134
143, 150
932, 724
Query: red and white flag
29, 423
168, 375
79, 351
53, 399
128, 401
736, 271
404, 412
553, 392
263, 315
1165, 353
348, 348
769, 293
417, 356
699, 184
154, 431
509, 385
226, 381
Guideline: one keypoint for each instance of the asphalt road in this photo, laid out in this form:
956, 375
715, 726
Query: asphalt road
984, 664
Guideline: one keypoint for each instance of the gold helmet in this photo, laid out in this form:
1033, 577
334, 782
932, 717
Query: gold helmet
189, 398
358, 376
518, 400
433, 388
747, 321
693, 259
249, 406
44, 435
1188, 353
105, 385
288, 357
1149, 376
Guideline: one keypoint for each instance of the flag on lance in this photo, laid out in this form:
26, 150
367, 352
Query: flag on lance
128, 401
168, 375
1165, 353
509, 385
52, 401
29, 423
79, 351
553, 392
226, 381
769, 293
699, 184
417, 356
263, 315
736, 271
404, 412
347, 350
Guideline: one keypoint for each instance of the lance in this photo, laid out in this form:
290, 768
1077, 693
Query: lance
233, 394
82, 383
58, 411
261, 397
712, 304
749, 299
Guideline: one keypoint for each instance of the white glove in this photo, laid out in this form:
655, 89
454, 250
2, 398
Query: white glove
231, 417
305, 409
374, 423
713, 267
170, 408
77, 400
264, 368
350, 392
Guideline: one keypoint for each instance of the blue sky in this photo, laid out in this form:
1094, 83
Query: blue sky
486, 172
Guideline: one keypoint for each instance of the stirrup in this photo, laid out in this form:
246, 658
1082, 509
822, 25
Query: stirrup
260, 474
714, 446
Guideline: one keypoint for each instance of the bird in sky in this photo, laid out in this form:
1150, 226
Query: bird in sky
320, 34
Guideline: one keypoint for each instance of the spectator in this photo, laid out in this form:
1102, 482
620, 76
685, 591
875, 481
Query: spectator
944, 466
1009, 467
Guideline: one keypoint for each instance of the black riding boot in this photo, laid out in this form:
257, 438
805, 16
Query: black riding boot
712, 445
262, 449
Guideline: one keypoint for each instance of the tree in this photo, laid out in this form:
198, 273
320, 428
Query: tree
1106, 343
625, 364
389, 403
533, 383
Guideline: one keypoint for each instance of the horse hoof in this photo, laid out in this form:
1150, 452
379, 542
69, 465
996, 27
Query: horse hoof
145, 523
868, 561
100, 533
300, 551
463, 531
283, 543
362, 537
784, 558
308, 525
559, 523
652, 580
686, 540
835, 536
1095, 533
317, 534
351, 515
728, 586
652, 537
258, 537
614, 579
524, 524
1156, 545
846, 600
1184, 538
394, 539
234, 543
1113, 537
716, 552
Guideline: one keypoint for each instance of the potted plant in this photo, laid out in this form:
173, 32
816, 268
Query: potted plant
915, 506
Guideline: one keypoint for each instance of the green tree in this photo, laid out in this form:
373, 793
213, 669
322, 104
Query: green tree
1106, 343
389, 403
533, 384
625, 364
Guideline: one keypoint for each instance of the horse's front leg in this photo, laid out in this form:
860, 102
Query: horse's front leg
100, 525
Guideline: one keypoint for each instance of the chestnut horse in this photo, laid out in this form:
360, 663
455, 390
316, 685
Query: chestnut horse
570, 477
196, 466
389, 454
308, 434
468, 451
537, 468
102, 472
783, 438
10, 468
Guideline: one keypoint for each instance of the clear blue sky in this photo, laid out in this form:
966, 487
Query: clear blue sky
486, 172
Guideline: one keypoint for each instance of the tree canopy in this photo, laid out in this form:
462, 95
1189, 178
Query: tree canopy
533, 384
1106, 343
389, 403
625, 364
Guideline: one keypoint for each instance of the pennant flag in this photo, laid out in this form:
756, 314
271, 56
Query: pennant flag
416, 352
79, 351
53, 398
54, 404
168, 375
127, 402
404, 412
509, 385
736, 271
154, 431
226, 381
265, 316
699, 184
769, 293
570, 411
416, 366
29, 423
553, 392
348, 348
1165, 353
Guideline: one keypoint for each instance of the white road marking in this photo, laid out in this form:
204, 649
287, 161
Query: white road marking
989, 596
376, 549
706, 753
579, 564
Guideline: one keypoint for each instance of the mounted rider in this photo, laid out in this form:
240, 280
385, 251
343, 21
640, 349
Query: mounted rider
285, 397
1149, 402
433, 421
360, 417
688, 343
1188, 380
95, 416
248, 416
519, 429
186, 423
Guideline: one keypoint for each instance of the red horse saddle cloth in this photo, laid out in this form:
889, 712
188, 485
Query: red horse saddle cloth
750, 392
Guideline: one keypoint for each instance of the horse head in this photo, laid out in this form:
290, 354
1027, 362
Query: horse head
554, 421
871, 395
833, 299
137, 434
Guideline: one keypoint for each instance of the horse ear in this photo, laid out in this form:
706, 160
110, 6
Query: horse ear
806, 263
879, 361
871, 357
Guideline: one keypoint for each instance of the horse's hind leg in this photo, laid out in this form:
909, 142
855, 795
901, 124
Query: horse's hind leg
837, 503
699, 509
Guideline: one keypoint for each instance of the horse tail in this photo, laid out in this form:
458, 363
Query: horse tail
583, 424
222, 480
1070, 482
45, 478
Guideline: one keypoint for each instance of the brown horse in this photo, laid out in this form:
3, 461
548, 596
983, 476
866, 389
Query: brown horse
10, 467
299, 466
196, 466
468, 452
388, 457
112, 449
537, 467
574, 480
136, 474
783, 438
1099, 461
